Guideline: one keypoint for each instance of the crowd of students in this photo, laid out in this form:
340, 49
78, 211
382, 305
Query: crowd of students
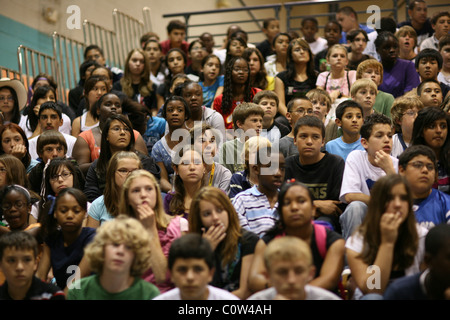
279, 170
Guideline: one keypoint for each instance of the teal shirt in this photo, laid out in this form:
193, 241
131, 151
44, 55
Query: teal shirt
91, 289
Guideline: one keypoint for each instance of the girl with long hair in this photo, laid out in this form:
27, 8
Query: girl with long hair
299, 76
141, 198
258, 74
14, 141
388, 238
106, 207
236, 89
136, 83
213, 216
431, 129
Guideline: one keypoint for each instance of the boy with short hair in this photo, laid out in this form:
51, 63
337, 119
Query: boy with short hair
428, 64
430, 93
191, 264
321, 102
247, 121
50, 118
176, 32
364, 168
440, 22
271, 27
257, 207
404, 112
319, 170
95, 53
272, 130
18, 263
431, 206
50, 144
296, 108
373, 69
293, 256
349, 117
364, 92
309, 29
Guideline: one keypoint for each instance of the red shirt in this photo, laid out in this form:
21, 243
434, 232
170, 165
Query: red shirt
227, 118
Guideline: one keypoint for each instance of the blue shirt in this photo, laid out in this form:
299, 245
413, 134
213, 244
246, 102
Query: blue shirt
433, 210
155, 130
210, 92
254, 211
341, 148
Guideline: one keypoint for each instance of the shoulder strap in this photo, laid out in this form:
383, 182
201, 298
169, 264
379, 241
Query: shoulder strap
321, 239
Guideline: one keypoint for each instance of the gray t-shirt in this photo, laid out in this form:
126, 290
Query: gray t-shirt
287, 146
312, 293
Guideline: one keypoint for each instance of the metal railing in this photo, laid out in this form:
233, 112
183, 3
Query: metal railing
128, 32
275, 8
32, 63
68, 54
9, 73
105, 39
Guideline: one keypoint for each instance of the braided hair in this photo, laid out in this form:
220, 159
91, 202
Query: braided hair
227, 100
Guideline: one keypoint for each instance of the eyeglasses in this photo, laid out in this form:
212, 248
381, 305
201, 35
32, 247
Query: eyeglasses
125, 172
303, 111
64, 175
8, 98
419, 165
118, 129
18, 204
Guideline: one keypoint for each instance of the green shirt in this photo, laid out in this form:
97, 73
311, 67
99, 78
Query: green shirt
91, 289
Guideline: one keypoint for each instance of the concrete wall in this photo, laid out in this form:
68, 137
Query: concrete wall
23, 22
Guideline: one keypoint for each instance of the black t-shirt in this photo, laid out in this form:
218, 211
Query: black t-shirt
39, 290
229, 279
294, 88
324, 178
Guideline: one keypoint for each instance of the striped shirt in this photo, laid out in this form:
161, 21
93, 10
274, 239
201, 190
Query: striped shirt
254, 211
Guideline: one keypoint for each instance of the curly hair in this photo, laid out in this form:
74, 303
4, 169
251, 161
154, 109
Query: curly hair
121, 230
227, 100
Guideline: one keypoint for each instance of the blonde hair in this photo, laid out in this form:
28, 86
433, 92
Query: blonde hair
320, 94
407, 31
111, 194
162, 219
287, 248
362, 83
252, 145
122, 230
335, 47
399, 107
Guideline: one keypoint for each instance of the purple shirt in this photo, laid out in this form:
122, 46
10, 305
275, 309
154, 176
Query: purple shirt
401, 79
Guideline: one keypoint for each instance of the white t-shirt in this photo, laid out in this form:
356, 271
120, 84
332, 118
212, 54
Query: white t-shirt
70, 140
356, 243
312, 293
360, 175
318, 45
397, 147
214, 294
65, 128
